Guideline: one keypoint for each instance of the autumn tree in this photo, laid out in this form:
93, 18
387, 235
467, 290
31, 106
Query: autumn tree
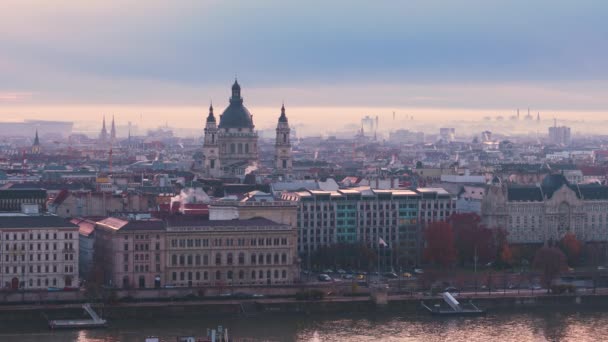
572, 247
439, 247
551, 261
472, 239
504, 256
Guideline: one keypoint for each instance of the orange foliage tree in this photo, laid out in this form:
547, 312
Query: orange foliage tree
439, 246
571, 247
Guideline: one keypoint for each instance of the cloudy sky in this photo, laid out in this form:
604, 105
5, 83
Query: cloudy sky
69, 59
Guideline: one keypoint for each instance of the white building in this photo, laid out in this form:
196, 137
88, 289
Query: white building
37, 252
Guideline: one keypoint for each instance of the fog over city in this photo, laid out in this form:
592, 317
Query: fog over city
223, 171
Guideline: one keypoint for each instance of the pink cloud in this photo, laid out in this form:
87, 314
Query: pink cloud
14, 96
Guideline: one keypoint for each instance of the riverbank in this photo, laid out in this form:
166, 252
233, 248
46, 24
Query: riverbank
494, 302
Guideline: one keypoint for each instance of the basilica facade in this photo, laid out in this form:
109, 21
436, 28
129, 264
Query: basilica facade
230, 148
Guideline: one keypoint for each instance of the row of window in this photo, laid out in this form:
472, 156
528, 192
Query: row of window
229, 242
229, 275
37, 269
37, 247
7, 257
38, 236
197, 259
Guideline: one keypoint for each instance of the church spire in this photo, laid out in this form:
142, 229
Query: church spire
113, 130
103, 136
211, 117
36, 145
283, 117
236, 90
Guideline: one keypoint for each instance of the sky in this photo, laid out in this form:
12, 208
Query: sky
166, 60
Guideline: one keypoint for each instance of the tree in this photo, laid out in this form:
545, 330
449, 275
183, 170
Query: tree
571, 247
504, 256
472, 239
551, 261
439, 247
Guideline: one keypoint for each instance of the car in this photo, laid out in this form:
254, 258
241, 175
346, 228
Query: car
451, 289
242, 295
324, 277
390, 275
347, 276
257, 295
341, 271
407, 275
328, 270
418, 271
601, 268
360, 276
535, 287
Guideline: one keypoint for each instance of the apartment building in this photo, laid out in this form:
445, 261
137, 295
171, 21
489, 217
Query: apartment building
37, 252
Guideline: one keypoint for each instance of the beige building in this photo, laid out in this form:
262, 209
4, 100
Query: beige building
537, 214
130, 253
37, 252
254, 251
251, 244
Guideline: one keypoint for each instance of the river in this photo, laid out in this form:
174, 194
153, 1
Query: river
538, 325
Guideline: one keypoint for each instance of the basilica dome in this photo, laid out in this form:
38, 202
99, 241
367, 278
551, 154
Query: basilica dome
236, 115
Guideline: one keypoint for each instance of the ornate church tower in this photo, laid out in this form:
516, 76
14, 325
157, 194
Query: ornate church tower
113, 132
103, 136
211, 146
283, 161
36, 145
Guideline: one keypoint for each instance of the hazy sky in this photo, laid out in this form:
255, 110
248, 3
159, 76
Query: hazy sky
133, 56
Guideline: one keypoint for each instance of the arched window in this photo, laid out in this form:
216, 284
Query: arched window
205, 259
253, 259
276, 274
218, 275
205, 275
284, 258
241, 274
182, 260
197, 259
229, 259
252, 274
261, 274
240, 148
230, 275
268, 259
268, 274
241, 258
218, 259
232, 148
284, 274
246, 148
174, 260
261, 259
276, 258
189, 259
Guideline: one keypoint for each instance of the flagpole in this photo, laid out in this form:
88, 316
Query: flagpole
378, 259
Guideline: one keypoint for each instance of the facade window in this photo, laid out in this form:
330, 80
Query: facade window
229, 259
218, 259
218, 275
241, 258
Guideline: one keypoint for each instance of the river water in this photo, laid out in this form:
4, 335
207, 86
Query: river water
546, 325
